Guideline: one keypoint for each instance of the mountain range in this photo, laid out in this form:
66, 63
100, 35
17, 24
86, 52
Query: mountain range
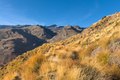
17, 39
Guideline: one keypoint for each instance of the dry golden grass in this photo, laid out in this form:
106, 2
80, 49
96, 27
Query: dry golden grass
103, 57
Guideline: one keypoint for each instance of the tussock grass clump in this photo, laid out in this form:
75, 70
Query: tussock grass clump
103, 57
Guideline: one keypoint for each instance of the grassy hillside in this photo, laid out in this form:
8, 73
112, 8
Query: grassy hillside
92, 55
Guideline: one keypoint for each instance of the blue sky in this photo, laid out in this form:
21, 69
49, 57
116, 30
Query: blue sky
60, 12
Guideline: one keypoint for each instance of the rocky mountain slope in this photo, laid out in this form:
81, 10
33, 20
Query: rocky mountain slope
92, 55
15, 40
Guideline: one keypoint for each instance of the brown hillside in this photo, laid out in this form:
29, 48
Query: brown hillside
16, 40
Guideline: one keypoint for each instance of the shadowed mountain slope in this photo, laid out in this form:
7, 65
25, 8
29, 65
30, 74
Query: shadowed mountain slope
15, 40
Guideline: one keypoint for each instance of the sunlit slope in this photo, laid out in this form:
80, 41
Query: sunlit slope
92, 55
